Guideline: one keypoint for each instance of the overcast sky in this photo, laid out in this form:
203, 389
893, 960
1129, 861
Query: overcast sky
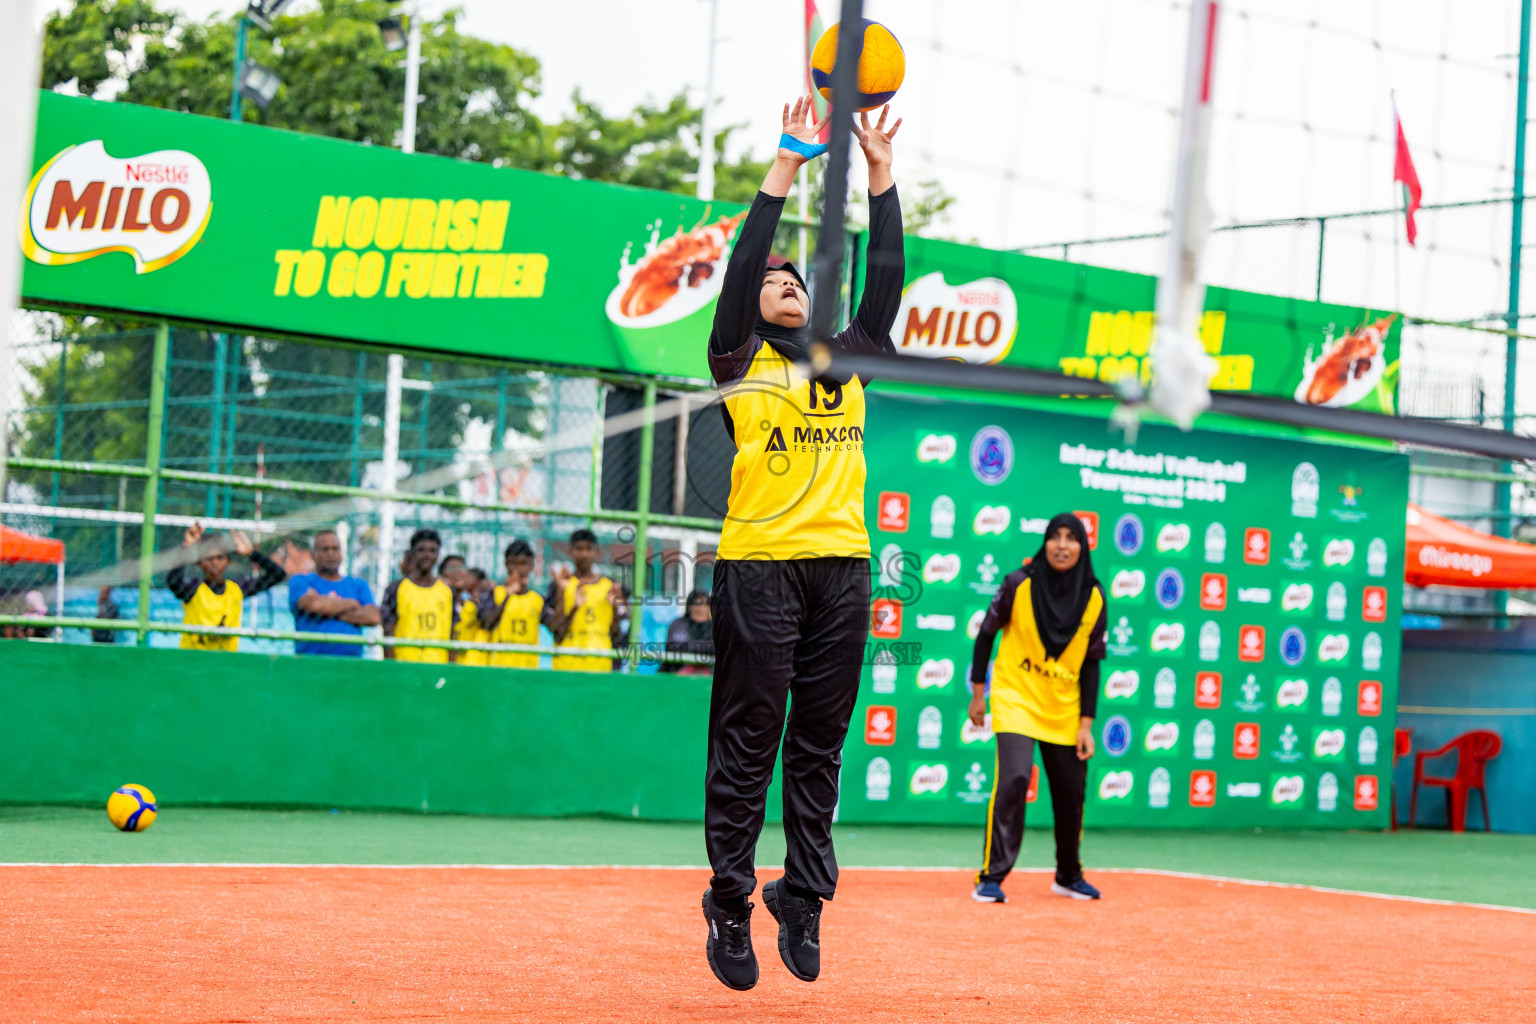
1055, 122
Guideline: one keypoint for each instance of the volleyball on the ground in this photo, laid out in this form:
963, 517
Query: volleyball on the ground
131, 807
881, 66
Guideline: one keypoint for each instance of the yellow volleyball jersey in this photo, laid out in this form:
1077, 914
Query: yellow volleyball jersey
423, 613
797, 481
1031, 693
468, 629
209, 609
519, 624
591, 626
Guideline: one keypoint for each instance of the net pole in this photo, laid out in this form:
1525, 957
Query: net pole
830, 241
1179, 365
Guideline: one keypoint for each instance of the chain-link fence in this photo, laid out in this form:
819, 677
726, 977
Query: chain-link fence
281, 438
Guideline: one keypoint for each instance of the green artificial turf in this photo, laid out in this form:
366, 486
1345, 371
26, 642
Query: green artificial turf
1470, 867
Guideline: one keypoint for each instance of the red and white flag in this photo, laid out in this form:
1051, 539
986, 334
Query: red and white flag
1403, 171
813, 31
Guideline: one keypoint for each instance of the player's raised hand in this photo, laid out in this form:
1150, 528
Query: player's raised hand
799, 124
192, 535
242, 543
876, 141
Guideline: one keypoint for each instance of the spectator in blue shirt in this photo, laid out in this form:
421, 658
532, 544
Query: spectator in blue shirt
325, 601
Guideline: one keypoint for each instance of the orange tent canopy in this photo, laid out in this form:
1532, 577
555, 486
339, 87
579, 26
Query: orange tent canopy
1448, 554
16, 546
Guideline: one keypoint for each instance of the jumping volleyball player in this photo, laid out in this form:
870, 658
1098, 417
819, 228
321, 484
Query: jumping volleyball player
1045, 691
791, 586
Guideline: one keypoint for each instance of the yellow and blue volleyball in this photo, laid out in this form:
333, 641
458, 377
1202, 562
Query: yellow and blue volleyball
882, 65
131, 807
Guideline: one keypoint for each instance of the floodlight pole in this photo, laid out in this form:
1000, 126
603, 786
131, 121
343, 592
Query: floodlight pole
395, 374
830, 242
234, 89
707, 121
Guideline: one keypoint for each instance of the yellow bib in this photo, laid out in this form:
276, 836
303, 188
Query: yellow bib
1032, 694
424, 613
209, 609
520, 614
797, 481
590, 627
469, 631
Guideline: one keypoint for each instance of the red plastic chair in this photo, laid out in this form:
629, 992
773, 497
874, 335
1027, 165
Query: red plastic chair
1474, 750
1402, 746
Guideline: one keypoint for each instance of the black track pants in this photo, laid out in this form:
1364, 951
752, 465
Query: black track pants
787, 629
1068, 779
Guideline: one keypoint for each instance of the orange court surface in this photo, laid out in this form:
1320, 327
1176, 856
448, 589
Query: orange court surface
206, 943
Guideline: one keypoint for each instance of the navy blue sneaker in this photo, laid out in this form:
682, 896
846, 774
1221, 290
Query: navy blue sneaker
989, 892
729, 946
1078, 890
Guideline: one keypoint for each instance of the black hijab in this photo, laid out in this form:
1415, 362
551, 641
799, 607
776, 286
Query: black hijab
794, 343
698, 630
1060, 598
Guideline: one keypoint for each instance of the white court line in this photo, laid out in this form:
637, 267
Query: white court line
1162, 872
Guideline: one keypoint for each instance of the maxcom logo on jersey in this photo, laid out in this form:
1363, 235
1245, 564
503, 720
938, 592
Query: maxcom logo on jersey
824, 440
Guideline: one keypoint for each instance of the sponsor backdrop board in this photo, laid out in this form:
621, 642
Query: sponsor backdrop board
199, 219
1253, 616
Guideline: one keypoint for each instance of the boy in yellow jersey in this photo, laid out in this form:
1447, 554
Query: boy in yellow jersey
469, 628
791, 601
511, 612
1045, 692
584, 608
213, 600
421, 606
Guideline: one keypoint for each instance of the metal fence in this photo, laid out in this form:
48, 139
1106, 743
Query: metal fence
122, 435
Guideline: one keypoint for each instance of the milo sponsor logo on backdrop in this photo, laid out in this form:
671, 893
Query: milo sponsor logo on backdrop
974, 322
86, 203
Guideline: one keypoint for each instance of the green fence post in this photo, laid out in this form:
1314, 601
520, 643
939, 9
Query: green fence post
643, 514
58, 414
152, 483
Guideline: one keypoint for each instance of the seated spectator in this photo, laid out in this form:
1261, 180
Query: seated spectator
469, 629
106, 608
421, 606
691, 633
511, 611
213, 600
325, 601
584, 609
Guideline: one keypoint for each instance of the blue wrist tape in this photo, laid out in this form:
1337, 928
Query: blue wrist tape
806, 149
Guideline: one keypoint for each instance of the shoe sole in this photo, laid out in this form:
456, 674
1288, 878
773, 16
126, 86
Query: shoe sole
1061, 890
771, 901
979, 898
709, 953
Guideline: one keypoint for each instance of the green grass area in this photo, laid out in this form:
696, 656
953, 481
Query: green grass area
1472, 867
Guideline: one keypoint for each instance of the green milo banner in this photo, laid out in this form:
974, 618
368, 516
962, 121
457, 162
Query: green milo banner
1253, 616
165, 214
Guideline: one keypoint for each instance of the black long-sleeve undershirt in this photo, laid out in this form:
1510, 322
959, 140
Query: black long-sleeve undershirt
269, 575
736, 312
1000, 612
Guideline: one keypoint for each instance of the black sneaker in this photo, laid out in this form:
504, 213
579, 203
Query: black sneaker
799, 929
729, 946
